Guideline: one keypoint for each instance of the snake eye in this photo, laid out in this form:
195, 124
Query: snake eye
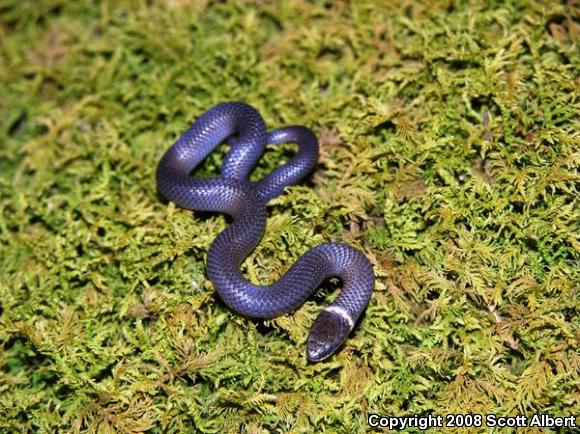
328, 332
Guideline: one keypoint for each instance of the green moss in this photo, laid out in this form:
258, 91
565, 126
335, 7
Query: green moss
449, 154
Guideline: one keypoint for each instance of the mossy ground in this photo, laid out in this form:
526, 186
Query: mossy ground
449, 154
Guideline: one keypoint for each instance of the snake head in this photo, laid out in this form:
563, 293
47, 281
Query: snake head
327, 334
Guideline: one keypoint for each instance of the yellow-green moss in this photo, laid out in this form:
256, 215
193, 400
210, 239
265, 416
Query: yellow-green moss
449, 154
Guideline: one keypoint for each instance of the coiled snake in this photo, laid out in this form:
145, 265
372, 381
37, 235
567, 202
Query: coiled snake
232, 193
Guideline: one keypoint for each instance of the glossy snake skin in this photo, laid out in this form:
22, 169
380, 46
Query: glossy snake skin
232, 193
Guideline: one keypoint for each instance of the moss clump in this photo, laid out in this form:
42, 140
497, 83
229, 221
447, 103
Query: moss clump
449, 154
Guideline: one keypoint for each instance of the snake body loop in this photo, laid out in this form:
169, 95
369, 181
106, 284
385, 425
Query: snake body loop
244, 129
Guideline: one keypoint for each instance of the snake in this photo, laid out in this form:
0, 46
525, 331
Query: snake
241, 126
